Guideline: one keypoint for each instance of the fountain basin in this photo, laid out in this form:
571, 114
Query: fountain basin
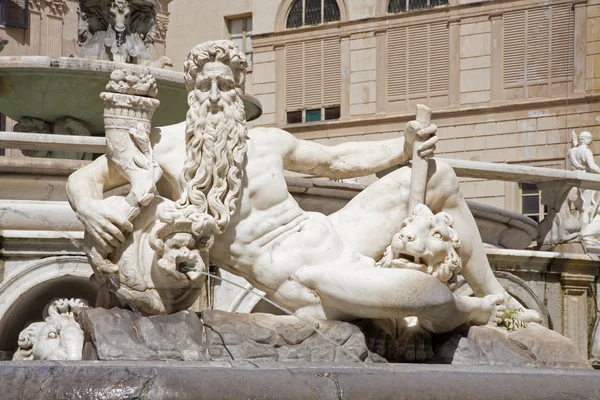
49, 88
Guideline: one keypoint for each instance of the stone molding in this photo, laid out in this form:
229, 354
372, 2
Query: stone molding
162, 23
576, 284
57, 7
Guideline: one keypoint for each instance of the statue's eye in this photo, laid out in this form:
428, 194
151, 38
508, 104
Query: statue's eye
438, 235
52, 335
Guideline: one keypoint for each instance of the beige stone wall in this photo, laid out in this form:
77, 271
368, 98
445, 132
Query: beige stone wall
193, 22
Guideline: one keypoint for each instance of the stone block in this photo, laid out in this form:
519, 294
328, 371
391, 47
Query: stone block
468, 29
547, 123
506, 126
472, 46
118, 334
363, 60
475, 97
471, 81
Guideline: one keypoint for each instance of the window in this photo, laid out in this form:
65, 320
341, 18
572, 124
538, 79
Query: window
530, 202
312, 12
313, 115
538, 46
419, 64
14, 13
396, 6
240, 32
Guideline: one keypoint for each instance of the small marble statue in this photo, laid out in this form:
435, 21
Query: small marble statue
225, 186
578, 217
117, 30
58, 337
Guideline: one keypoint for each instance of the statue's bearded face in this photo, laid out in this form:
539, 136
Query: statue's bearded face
215, 143
215, 86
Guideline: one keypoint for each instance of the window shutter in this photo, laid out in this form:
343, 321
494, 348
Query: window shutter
396, 62
313, 74
294, 82
332, 72
16, 14
562, 51
418, 60
439, 57
538, 44
514, 46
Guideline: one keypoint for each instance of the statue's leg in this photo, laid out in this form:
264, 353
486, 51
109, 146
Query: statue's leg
369, 221
379, 293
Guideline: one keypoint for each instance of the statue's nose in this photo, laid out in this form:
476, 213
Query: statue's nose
407, 236
214, 92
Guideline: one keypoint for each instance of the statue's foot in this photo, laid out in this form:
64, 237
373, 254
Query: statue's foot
524, 314
494, 305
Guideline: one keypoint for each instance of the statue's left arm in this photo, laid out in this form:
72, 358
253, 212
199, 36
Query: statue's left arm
354, 159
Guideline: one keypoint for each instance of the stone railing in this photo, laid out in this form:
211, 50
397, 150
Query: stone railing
554, 184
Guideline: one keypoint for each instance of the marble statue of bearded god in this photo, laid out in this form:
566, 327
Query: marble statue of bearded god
223, 189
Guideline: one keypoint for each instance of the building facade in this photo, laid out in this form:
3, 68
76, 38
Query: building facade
507, 81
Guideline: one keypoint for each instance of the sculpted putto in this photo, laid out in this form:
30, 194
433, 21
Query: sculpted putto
226, 186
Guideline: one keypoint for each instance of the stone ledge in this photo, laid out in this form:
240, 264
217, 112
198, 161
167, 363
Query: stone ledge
196, 380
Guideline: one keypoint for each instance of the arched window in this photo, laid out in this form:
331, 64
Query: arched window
396, 6
312, 12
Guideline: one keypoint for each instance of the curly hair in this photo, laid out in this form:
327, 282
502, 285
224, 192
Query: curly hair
211, 179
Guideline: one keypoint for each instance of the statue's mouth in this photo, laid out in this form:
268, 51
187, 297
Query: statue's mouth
407, 261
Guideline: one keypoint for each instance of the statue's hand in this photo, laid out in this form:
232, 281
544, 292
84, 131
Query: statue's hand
106, 220
427, 135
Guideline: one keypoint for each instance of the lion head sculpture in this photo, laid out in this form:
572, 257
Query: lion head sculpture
160, 267
426, 243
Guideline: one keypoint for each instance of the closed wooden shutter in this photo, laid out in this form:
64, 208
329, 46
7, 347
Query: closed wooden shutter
514, 47
313, 74
294, 79
396, 62
16, 15
418, 60
538, 44
332, 72
439, 57
562, 47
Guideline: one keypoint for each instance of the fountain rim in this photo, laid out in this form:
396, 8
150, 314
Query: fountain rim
252, 105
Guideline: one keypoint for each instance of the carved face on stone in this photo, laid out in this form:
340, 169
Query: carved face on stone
120, 12
58, 337
428, 243
181, 260
215, 86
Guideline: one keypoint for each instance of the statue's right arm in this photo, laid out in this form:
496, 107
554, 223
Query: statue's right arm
589, 158
106, 219
93, 180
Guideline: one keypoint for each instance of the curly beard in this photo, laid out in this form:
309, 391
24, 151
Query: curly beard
211, 178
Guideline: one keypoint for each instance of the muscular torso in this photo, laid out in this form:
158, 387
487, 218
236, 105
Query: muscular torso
269, 237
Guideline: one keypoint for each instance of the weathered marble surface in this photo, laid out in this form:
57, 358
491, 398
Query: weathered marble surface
196, 381
233, 180
118, 334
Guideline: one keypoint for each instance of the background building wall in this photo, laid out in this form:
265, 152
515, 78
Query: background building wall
507, 81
